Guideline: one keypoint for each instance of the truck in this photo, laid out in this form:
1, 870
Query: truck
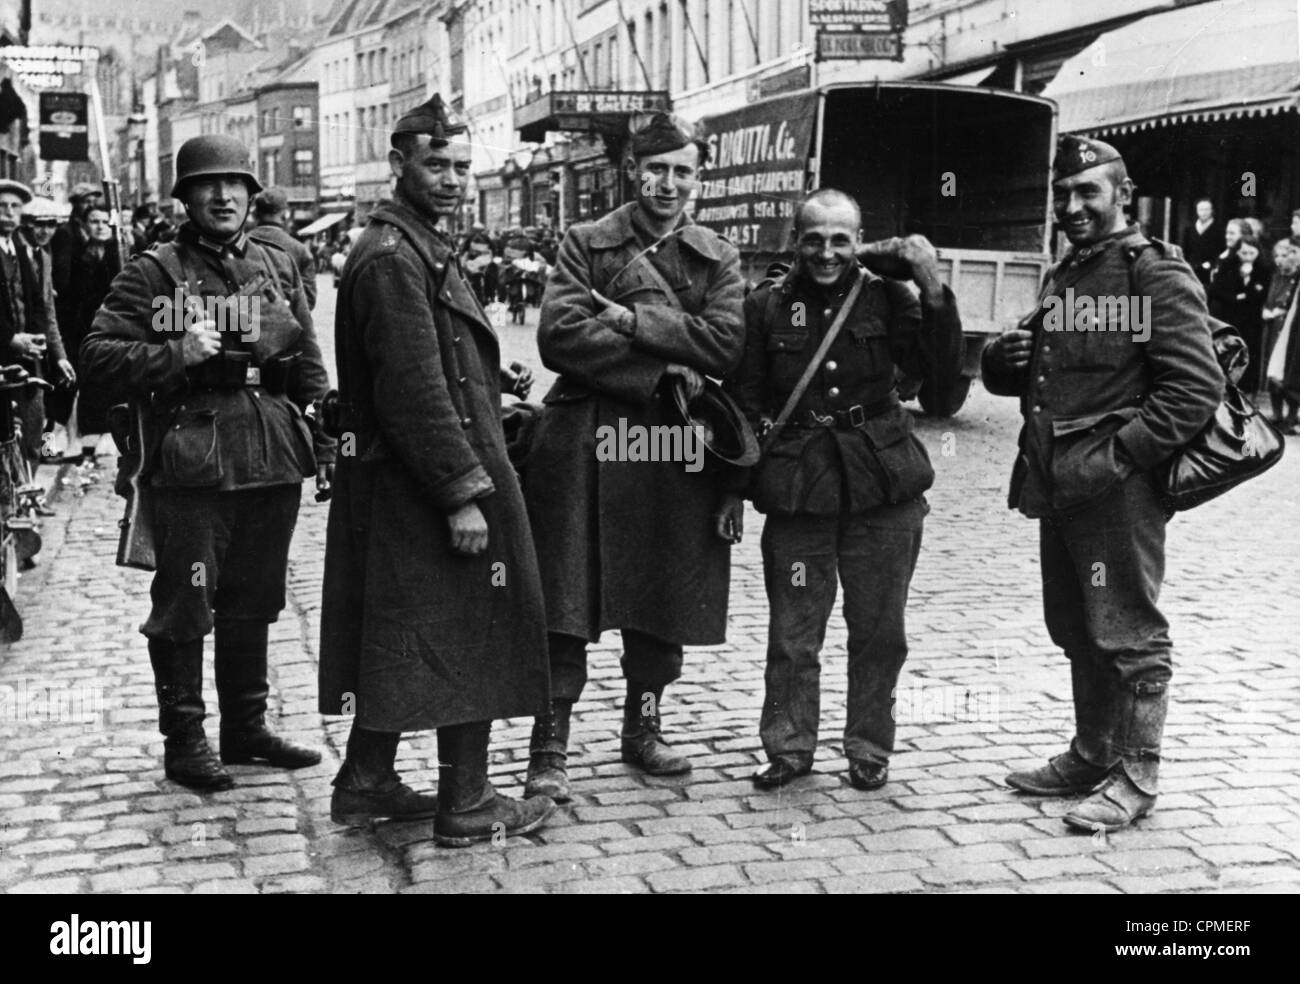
967, 167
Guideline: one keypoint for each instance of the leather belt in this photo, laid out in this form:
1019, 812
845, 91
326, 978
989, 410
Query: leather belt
850, 419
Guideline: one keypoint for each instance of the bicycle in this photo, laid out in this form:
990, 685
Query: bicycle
22, 501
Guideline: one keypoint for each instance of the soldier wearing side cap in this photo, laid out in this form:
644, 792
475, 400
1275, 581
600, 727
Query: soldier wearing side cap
432, 614
1105, 403
843, 482
639, 302
221, 382
271, 210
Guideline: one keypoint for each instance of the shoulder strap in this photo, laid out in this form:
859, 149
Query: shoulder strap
810, 370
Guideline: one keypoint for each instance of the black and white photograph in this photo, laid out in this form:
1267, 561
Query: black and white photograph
645, 447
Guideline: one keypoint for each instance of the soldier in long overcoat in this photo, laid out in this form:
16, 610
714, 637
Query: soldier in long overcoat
432, 613
640, 301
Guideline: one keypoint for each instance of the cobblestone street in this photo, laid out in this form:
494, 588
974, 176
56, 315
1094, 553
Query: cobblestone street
86, 808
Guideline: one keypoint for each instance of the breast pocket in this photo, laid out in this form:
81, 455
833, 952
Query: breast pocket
787, 354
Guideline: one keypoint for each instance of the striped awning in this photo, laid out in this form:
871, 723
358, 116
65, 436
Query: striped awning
1220, 60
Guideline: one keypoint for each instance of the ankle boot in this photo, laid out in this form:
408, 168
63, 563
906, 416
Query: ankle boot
178, 678
242, 691
643, 744
367, 787
1130, 792
1089, 759
548, 754
469, 808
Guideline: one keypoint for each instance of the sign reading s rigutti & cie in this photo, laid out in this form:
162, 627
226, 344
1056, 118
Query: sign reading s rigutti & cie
64, 131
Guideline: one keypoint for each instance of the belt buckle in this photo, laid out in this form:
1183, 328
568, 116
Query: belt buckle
253, 376
818, 419
857, 416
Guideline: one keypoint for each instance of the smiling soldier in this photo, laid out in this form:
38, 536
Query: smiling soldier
842, 482
432, 613
639, 301
230, 451
1102, 410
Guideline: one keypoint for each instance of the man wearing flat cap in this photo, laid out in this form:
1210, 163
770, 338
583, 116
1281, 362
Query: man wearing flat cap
29, 334
210, 338
641, 301
432, 614
1108, 392
271, 211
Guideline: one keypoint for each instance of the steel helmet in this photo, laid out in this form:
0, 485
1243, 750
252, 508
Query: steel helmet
211, 155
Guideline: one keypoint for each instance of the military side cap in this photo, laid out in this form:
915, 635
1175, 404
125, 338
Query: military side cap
433, 118
660, 133
1075, 153
271, 201
16, 188
723, 427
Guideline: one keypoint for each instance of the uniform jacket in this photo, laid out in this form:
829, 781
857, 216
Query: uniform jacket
1085, 390
211, 438
302, 256
421, 636
630, 544
822, 471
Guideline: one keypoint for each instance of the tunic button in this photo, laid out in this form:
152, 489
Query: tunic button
456, 339
833, 391
826, 313
1042, 379
464, 379
1046, 349
466, 422
1038, 409
831, 366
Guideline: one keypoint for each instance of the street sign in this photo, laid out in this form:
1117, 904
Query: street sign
833, 45
64, 130
791, 80
46, 66
883, 15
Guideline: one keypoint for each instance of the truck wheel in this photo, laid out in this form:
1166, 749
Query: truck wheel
947, 403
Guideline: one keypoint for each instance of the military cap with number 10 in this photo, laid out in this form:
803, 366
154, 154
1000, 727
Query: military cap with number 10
1075, 153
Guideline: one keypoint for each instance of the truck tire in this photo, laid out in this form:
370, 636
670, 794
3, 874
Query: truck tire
947, 403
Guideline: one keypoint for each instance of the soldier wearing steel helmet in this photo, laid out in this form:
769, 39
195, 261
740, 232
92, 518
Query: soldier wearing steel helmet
226, 450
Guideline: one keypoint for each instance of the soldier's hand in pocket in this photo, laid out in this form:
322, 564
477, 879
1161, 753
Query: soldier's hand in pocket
469, 531
200, 343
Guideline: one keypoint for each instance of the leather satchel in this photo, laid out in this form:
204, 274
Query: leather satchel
1237, 444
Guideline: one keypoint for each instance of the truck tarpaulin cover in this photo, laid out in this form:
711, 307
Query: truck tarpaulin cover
758, 166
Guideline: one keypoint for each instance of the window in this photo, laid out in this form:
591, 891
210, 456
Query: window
270, 166
304, 167
301, 117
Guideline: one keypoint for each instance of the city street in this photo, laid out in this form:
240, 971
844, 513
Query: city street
84, 806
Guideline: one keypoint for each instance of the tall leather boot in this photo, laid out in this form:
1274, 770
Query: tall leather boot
242, 691
178, 678
1130, 791
367, 787
1091, 755
469, 808
548, 754
643, 743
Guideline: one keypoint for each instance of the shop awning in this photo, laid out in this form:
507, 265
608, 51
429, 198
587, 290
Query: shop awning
323, 223
1219, 60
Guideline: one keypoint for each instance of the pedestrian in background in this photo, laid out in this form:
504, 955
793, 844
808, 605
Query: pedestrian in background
1237, 295
271, 210
92, 272
1101, 414
66, 246
40, 219
1283, 369
27, 324
1203, 241
432, 613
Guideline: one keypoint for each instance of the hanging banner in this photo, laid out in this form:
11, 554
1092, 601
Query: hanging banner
64, 129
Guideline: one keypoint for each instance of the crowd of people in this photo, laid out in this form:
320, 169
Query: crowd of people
1253, 288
